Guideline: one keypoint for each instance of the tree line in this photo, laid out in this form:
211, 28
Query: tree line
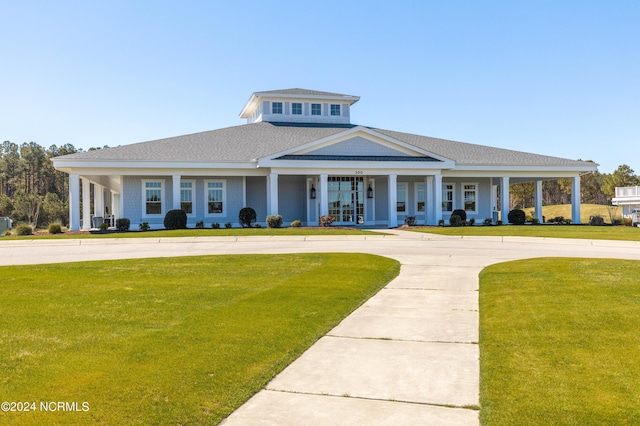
32, 191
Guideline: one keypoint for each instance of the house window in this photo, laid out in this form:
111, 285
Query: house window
420, 198
276, 107
153, 195
215, 197
316, 109
296, 108
470, 194
447, 197
186, 197
402, 198
335, 109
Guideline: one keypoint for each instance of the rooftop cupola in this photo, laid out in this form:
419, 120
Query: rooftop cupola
298, 106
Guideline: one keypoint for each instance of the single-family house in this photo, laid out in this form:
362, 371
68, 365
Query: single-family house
629, 198
300, 156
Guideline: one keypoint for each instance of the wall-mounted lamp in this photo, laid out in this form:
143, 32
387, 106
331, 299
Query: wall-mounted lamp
369, 192
312, 192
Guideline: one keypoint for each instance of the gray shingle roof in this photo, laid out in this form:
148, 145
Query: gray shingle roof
300, 92
257, 140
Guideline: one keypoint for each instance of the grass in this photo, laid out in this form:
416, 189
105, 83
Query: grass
168, 341
239, 232
559, 342
622, 233
586, 211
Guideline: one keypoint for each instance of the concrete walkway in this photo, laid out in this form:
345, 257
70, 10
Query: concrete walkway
408, 356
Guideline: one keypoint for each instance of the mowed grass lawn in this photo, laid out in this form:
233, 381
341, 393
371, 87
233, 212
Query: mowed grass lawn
167, 341
560, 342
621, 233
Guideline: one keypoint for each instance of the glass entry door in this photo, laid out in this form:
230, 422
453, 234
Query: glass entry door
346, 199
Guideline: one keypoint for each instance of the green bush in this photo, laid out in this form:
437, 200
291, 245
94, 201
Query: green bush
461, 213
228, 225
296, 223
215, 225
596, 220
175, 219
274, 221
246, 217
627, 221
24, 230
326, 220
123, 224
103, 226
455, 220
517, 217
200, 224
488, 221
144, 226
55, 228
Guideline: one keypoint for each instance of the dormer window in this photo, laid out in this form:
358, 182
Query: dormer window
296, 108
335, 109
316, 109
276, 108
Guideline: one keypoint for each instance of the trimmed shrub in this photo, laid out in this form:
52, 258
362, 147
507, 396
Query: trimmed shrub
123, 224
488, 221
274, 221
200, 224
24, 230
326, 220
228, 225
103, 226
257, 225
296, 223
246, 217
441, 222
410, 220
215, 225
627, 221
455, 220
55, 228
472, 221
461, 213
596, 220
175, 219
517, 217
144, 226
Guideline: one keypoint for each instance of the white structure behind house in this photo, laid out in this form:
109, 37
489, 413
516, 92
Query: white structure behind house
628, 197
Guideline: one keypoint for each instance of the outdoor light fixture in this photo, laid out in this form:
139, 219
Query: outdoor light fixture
369, 192
312, 192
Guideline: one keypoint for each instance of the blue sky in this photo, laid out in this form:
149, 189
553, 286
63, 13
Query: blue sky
560, 78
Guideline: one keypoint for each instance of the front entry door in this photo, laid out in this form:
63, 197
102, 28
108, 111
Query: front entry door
346, 199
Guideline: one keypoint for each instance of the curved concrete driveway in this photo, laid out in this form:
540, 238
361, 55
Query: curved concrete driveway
408, 356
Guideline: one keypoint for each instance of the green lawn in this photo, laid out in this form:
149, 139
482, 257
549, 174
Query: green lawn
168, 341
550, 231
559, 342
238, 232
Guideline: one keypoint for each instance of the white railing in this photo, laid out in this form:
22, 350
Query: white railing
628, 191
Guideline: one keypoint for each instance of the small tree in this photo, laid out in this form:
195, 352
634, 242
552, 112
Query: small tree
246, 217
461, 213
27, 206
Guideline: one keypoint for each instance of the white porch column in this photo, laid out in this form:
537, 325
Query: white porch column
437, 197
176, 191
98, 200
74, 202
575, 200
115, 205
272, 207
86, 204
323, 190
538, 200
504, 199
429, 212
393, 200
